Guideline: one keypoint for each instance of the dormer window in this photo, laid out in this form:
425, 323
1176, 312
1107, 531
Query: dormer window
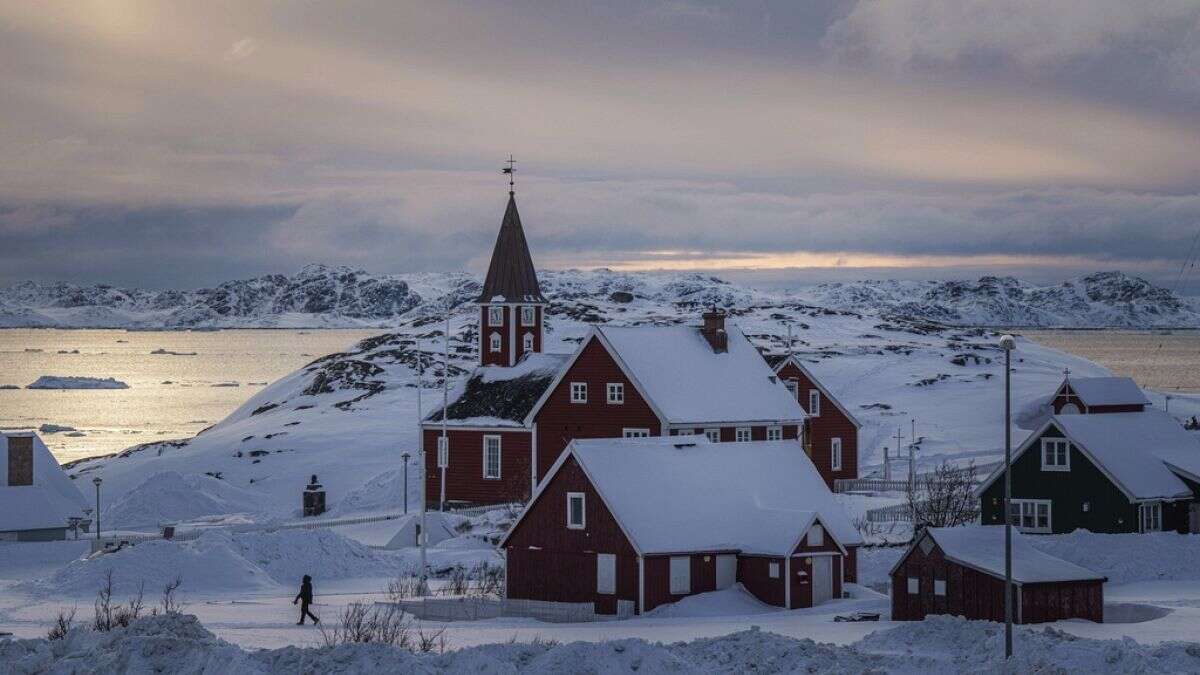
495, 316
528, 316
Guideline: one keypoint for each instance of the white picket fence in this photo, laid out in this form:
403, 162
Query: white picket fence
477, 609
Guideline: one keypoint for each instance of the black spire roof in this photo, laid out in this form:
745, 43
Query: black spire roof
511, 276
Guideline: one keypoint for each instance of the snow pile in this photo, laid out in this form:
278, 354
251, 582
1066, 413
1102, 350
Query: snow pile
733, 601
62, 382
384, 493
1125, 558
180, 644
170, 496
220, 562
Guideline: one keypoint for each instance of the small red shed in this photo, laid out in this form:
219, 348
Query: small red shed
960, 571
649, 521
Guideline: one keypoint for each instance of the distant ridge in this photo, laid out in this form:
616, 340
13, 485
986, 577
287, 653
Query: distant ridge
321, 296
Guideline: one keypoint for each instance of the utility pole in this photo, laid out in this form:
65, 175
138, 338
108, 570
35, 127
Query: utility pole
96, 481
1008, 343
445, 442
887, 463
422, 588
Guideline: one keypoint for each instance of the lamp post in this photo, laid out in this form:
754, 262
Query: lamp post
1008, 343
405, 457
97, 481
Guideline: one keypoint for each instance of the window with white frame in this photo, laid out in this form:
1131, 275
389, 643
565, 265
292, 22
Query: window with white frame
528, 316
939, 587
1056, 454
773, 570
814, 402
1151, 516
606, 573
1031, 515
443, 452
835, 454
495, 342
742, 435
681, 575
793, 386
495, 316
579, 392
816, 535
714, 435
491, 457
616, 393
576, 516
774, 433
635, 433
914, 585
527, 342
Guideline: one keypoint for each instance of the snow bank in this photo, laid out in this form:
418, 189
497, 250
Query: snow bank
222, 562
171, 496
1126, 558
733, 601
60, 382
384, 492
180, 644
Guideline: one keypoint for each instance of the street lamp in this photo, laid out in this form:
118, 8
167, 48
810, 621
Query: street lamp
405, 457
1008, 343
97, 481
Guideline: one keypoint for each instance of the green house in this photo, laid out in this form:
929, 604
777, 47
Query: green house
1113, 472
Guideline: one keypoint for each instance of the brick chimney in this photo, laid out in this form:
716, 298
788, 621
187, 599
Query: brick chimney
713, 330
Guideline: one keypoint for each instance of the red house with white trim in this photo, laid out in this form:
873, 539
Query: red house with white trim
832, 438
1092, 395
645, 522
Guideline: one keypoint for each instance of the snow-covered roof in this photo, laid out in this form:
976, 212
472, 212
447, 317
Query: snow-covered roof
982, 548
499, 396
1134, 449
777, 362
675, 494
48, 503
1108, 391
686, 381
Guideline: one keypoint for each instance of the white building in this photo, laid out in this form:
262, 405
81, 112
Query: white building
37, 499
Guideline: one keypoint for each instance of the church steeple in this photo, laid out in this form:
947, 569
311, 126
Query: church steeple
511, 301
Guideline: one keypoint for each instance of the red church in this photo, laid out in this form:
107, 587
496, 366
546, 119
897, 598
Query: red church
1094, 395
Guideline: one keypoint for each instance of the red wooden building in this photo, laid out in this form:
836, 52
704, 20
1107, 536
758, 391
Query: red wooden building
960, 571
831, 438
647, 522
1089, 395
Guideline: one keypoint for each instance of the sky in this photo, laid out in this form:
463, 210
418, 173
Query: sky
182, 144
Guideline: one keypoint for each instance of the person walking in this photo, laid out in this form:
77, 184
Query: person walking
305, 598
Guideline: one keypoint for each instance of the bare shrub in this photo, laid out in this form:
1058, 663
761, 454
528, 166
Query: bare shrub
108, 615
457, 583
62, 624
362, 623
123, 615
944, 498
489, 579
430, 642
169, 603
403, 588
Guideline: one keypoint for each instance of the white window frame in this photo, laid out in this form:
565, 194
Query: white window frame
443, 451
1050, 451
615, 393
814, 402
527, 342
713, 435
495, 316
835, 454
635, 432
606, 561
1154, 510
775, 433
1029, 513
773, 570
816, 535
793, 387
914, 586
582, 524
499, 456
579, 392
939, 587
739, 432
496, 342
528, 316
680, 575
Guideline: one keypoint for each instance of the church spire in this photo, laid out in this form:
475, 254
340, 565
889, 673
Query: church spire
511, 276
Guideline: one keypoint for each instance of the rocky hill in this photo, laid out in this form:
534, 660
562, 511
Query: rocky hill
320, 296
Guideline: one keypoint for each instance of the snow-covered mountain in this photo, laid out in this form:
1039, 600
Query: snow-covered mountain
340, 297
1101, 300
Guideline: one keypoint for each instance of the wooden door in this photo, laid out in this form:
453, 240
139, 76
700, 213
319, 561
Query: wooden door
726, 571
822, 579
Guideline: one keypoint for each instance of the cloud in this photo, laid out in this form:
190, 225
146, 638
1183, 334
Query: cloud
1165, 34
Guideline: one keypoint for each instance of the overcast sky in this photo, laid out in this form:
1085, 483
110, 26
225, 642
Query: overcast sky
182, 144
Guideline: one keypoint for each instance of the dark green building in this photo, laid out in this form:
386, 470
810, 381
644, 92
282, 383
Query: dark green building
1112, 472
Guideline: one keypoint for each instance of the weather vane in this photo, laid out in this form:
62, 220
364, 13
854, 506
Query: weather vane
511, 170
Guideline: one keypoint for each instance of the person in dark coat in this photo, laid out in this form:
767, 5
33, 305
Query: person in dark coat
305, 598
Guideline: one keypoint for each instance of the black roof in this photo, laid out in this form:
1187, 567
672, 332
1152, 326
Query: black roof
486, 394
511, 274
774, 360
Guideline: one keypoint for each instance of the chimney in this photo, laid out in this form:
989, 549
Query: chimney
713, 330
